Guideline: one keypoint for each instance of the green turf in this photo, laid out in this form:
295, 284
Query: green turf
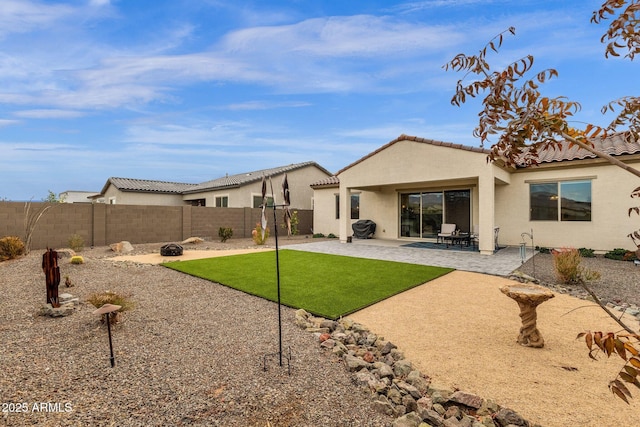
325, 285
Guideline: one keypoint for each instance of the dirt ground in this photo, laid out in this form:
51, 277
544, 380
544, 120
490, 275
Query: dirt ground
461, 331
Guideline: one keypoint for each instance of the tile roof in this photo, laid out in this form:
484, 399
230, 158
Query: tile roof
613, 145
147, 186
332, 181
248, 177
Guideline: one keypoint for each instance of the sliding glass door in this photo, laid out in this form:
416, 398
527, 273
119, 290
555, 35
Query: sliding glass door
422, 213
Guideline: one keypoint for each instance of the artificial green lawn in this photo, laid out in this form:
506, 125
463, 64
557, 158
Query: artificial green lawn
325, 285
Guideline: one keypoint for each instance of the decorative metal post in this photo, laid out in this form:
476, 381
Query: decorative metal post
287, 216
107, 309
52, 276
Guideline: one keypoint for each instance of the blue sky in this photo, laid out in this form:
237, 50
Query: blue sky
188, 90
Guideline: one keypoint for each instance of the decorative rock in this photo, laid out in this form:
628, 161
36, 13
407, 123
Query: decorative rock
346, 323
66, 253
451, 422
354, 363
394, 395
506, 417
409, 403
329, 324
431, 417
364, 377
384, 370
339, 349
121, 247
399, 411
385, 347
402, 368
192, 240
438, 408
383, 406
324, 336
409, 389
409, 420
416, 379
368, 357
62, 311
329, 343
467, 399
396, 354
453, 412
488, 407
321, 330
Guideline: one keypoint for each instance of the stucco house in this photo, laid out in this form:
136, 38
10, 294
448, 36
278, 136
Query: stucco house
233, 191
411, 185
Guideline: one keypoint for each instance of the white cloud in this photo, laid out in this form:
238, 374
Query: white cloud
8, 122
49, 114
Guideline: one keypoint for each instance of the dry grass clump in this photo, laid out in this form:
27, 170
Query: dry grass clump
109, 297
11, 247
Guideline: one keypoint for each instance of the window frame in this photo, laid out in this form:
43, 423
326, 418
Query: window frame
560, 201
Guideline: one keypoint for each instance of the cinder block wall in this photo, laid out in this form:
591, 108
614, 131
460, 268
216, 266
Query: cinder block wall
101, 224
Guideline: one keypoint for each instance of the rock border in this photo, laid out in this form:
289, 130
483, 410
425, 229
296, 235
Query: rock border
397, 387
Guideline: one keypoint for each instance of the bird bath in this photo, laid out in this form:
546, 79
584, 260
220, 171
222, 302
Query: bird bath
529, 297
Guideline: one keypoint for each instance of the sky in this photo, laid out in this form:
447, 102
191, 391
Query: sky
191, 90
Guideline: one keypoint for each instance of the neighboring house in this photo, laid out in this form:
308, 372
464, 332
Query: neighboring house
245, 189
411, 185
72, 196
128, 191
237, 191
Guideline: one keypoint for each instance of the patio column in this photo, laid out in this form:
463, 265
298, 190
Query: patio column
345, 213
486, 214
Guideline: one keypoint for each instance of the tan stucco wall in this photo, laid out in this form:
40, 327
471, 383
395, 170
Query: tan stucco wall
610, 224
300, 191
324, 211
135, 198
414, 166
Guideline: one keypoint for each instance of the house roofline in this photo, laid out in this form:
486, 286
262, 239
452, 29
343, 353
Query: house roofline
404, 137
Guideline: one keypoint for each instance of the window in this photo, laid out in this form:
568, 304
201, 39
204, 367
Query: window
222, 202
337, 206
112, 200
355, 206
560, 201
257, 201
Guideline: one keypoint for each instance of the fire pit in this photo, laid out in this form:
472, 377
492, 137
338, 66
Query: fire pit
171, 249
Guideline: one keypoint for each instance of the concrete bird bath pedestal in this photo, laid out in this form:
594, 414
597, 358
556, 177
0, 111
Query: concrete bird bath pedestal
529, 297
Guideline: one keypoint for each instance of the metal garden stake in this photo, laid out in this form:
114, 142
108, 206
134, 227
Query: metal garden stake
107, 309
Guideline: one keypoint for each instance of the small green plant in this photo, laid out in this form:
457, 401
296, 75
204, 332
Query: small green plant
256, 234
76, 242
543, 250
77, 259
225, 233
318, 235
620, 254
586, 253
568, 270
11, 247
108, 297
332, 236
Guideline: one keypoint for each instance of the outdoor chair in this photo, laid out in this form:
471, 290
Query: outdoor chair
446, 230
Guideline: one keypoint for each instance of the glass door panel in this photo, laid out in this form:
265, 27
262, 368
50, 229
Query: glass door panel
457, 209
410, 215
431, 214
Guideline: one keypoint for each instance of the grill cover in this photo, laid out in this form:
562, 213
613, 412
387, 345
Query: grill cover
171, 249
363, 229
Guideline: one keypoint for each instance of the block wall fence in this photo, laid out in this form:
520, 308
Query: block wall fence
103, 224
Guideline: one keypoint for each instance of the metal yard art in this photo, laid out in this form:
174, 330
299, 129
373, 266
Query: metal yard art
107, 309
263, 222
52, 276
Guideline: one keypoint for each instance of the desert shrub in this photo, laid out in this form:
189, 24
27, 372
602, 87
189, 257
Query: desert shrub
543, 250
11, 247
621, 254
77, 259
318, 235
225, 233
332, 236
256, 234
566, 262
586, 253
76, 242
108, 297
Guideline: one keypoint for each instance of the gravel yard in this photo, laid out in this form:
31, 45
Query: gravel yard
190, 353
